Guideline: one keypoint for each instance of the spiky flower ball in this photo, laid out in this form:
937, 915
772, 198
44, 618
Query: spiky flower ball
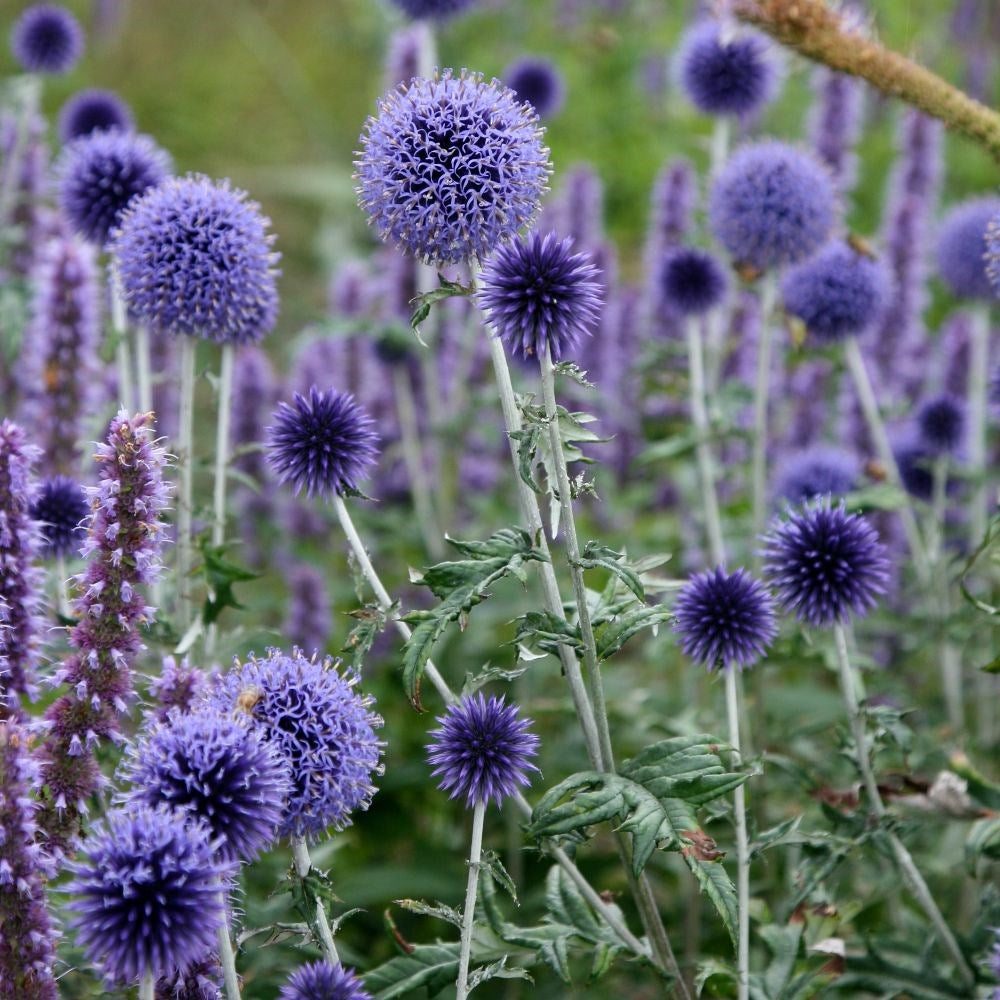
691, 281
437, 10
838, 293
915, 462
725, 72
536, 82
60, 506
819, 471
451, 167
539, 293
319, 724
93, 110
771, 204
825, 563
100, 174
941, 423
323, 981
195, 258
219, 770
146, 895
724, 619
483, 750
46, 38
962, 248
323, 442
993, 253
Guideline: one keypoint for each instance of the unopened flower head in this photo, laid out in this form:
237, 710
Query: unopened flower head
941, 422
691, 281
61, 508
93, 110
962, 249
47, 38
536, 82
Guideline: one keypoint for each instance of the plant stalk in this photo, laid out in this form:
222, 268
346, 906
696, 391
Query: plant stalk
185, 470
742, 842
762, 392
147, 988
469, 911
222, 444
303, 865
227, 957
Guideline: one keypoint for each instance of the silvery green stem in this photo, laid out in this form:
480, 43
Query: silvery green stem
62, 594
222, 444
469, 911
721, 132
227, 958
762, 391
147, 988
143, 369
979, 362
185, 470
123, 356
908, 869
303, 865
742, 842
31, 86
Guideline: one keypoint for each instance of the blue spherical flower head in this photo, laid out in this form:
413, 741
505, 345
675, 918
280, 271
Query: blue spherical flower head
319, 724
771, 205
724, 619
46, 38
323, 981
435, 10
61, 507
820, 471
482, 751
838, 293
692, 281
218, 769
536, 82
941, 424
100, 175
962, 249
323, 442
725, 75
194, 257
539, 293
915, 462
993, 253
147, 893
93, 110
825, 563
451, 168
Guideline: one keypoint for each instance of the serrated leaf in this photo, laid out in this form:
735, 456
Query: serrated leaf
220, 575
497, 970
493, 866
574, 372
983, 841
978, 785
369, 623
612, 635
783, 943
544, 632
714, 881
595, 555
432, 967
437, 910
527, 441
489, 674
422, 303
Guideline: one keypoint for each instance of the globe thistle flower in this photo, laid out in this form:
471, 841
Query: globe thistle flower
322, 442
146, 895
451, 168
60, 508
482, 751
962, 248
319, 724
323, 981
915, 462
93, 110
177, 688
435, 10
993, 253
825, 564
941, 422
692, 281
46, 38
819, 471
536, 82
307, 623
101, 174
771, 205
194, 257
200, 981
723, 75
539, 294
217, 769
838, 293
724, 619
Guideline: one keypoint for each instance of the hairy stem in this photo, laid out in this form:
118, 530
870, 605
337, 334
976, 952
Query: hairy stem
303, 865
469, 911
742, 842
185, 470
147, 988
222, 444
762, 392
227, 957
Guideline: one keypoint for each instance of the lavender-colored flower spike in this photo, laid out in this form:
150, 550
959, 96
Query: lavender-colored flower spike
60, 507
27, 943
46, 38
436, 10
482, 751
451, 168
835, 123
406, 47
962, 248
28, 186
20, 581
307, 623
582, 196
537, 82
123, 548
195, 258
177, 688
323, 980
92, 111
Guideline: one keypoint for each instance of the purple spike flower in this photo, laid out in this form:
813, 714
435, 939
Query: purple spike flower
825, 564
692, 281
962, 248
60, 508
835, 123
93, 110
451, 168
307, 624
583, 204
46, 38
435, 10
819, 471
941, 423
724, 619
674, 199
177, 688
482, 751
323, 981
319, 724
536, 82
27, 177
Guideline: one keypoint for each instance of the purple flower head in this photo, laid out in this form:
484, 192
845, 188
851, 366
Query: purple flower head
824, 563
724, 619
915, 461
941, 423
724, 75
147, 896
323, 981
536, 82
177, 687
993, 253
819, 471
60, 507
200, 981
771, 204
195, 258
46, 38
93, 110
539, 293
319, 724
962, 248
692, 281
322, 442
483, 750
451, 168
219, 770
437, 10
101, 174
838, 293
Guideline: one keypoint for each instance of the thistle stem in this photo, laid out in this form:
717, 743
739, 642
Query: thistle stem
762, 391
185, 469
469, 911
721, 131
908, 869
147, 988
227, 957
222, 444
123, 355
979, 368
62, 587
303, 865
143, 369
742, 842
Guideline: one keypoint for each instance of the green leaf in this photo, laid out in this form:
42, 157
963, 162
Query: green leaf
489, 674
422, 303
595, 555
572, 371
784, 945
714, 881
437, 910
540, 631
220, 574
493, 866
369, 623
527, 441
612, 635
983, 841
432, 967
497, 970
980, 787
